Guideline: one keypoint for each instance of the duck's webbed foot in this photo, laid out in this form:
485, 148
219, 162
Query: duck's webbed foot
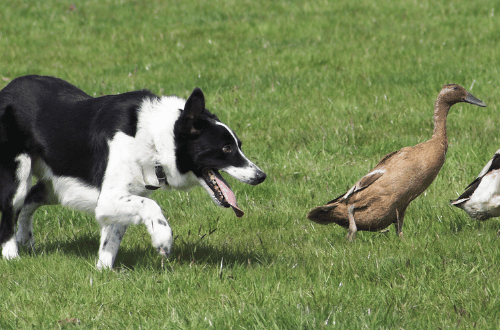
352, 224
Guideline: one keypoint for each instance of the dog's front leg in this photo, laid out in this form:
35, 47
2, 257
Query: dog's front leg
130, 209
111, 237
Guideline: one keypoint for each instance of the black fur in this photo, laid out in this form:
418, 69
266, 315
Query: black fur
63, 125
199, 139
7, 190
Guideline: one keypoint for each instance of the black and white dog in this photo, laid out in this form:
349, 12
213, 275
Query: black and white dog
105, 155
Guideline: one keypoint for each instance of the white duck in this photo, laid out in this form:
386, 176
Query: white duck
481, 199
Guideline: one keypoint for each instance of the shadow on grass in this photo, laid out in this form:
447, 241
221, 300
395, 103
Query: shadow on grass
188, 252
83, 245
184, 252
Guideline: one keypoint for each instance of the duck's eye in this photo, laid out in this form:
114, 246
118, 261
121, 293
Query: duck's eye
227, 149
455, 88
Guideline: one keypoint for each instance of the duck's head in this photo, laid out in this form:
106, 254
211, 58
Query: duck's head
453, 93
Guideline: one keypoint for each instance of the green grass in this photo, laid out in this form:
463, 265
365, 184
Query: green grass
318, 92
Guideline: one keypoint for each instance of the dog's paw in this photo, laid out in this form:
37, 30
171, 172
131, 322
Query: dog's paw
105, 261
161, 235
165, 247
10, 250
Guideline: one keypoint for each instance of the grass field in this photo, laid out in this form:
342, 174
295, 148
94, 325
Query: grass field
319, 92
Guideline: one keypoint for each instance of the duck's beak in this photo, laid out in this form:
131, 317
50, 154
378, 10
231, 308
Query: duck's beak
474, 100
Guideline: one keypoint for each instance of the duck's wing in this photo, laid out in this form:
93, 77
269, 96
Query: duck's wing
369, 178
360, 185
365, 181
336, 199
387, 158
493, 164
467, 193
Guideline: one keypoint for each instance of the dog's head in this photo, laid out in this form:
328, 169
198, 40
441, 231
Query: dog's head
205, 146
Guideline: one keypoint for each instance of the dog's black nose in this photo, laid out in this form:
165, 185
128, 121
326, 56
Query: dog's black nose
259, 178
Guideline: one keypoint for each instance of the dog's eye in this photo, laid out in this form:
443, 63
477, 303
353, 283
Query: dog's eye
227, 149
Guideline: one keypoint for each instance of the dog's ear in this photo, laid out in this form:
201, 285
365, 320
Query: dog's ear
195, 106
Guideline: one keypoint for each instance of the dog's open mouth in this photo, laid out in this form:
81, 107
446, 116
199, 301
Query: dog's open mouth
222, 191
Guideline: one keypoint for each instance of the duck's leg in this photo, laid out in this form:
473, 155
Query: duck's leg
352, 224
399, 223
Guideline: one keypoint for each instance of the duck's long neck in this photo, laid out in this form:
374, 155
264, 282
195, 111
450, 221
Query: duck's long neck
440, 113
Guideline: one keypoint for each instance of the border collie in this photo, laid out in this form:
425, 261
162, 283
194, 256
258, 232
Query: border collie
105, 156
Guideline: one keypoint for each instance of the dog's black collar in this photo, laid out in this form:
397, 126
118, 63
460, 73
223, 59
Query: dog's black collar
160, 175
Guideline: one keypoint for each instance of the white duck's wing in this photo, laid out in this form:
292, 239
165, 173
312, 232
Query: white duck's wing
493, 164
467, 193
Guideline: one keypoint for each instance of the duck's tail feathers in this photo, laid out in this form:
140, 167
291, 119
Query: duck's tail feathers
322, 214
457, 202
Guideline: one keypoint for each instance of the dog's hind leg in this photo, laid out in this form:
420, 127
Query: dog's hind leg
39, 195
111, 237
24, 234
16, 182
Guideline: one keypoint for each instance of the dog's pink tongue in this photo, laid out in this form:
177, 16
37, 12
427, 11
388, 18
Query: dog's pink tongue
229, 196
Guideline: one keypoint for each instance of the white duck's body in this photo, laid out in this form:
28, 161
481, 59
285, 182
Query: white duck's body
481, 198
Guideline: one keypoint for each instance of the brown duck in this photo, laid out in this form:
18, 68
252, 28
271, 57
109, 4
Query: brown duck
382, 196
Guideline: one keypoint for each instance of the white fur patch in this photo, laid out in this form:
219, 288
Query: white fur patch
155, 139
70, 192
244, 174
23, 175
10, 249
